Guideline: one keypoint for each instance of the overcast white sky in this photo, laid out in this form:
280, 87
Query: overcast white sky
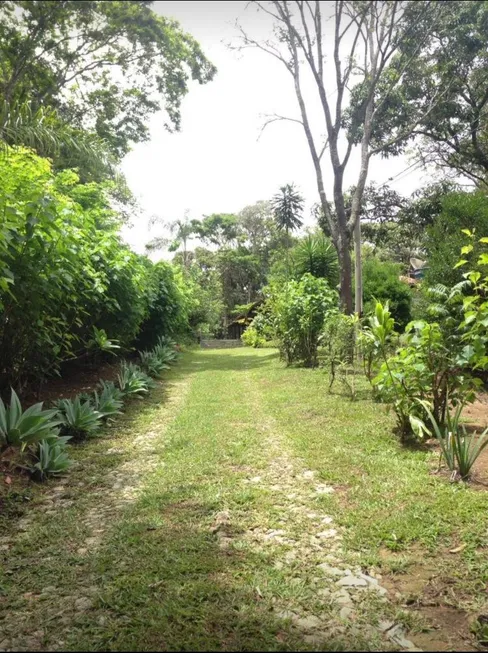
216, 163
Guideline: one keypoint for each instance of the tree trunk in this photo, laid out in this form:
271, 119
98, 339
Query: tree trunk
345, 268
358, 296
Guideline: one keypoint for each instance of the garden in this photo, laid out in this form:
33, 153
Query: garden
269, 430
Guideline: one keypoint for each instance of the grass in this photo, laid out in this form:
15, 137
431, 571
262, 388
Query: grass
128, 555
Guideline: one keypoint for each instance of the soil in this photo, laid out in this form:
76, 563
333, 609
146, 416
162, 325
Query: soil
75, 380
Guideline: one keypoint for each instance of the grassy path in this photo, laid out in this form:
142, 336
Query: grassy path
237, 509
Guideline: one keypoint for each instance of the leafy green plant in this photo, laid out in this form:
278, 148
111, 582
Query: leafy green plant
132, 380
152, 363
338, 339
52, 458
22, 428
102, 343
78, 418
108, 403
426, 366
251, 338
459, 449
298, 310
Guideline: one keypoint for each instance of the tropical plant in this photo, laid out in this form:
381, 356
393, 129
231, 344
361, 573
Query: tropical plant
132, 380
152, 363
108, 403
426, 366
381, 282
78, 418
459, 449
23, 428
52, 458
316, 255
102, 343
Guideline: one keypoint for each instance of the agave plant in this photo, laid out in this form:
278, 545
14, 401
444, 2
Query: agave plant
152, 363
51, 458
22, 428
79, 418
132, 380
459, 449
108, 402
164, 352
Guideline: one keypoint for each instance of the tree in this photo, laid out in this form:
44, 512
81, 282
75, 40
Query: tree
181, 231
288, 208
365, 38
316, 255
219, 229
454, 133
104, 66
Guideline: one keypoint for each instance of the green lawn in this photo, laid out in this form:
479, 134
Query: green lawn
196, 524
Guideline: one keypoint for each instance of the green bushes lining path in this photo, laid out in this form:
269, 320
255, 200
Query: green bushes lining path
65, 274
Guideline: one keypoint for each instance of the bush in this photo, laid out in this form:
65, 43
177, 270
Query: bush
381, 283
298, 310
132, 380
339, 341
69, 286
251, 338
426, 367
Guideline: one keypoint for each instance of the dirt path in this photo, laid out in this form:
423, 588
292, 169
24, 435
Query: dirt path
191, 527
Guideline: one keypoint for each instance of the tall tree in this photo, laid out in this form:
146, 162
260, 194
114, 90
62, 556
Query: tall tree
288, 208
104, 66
181, 231
454, 133
364, 39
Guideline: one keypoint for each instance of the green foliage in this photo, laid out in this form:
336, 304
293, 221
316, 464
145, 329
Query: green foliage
23, 428
152, 364
132, 380
109, 402
316, 255
79, 418
338, 338
460, 450
69, 287
288, 208
444, 239
381, 283
298, 310
427, 366
101, 342
126, 63
51, 457
251, 337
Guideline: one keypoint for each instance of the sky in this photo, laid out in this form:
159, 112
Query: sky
222, 160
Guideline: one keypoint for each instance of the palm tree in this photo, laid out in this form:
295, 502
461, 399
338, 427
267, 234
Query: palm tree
181, 230
288, 208
42, 130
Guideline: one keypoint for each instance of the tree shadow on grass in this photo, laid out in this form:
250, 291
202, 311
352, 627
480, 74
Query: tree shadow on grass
166, 585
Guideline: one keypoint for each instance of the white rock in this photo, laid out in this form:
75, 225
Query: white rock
385, 625
83, 603
328, 534
352, 581
345, 613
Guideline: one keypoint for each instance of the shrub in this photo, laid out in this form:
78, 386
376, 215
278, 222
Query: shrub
78, 418
298, 310
339, 341
23, 428
427, 366
381, 283
315, 254
251, 338
69, 286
